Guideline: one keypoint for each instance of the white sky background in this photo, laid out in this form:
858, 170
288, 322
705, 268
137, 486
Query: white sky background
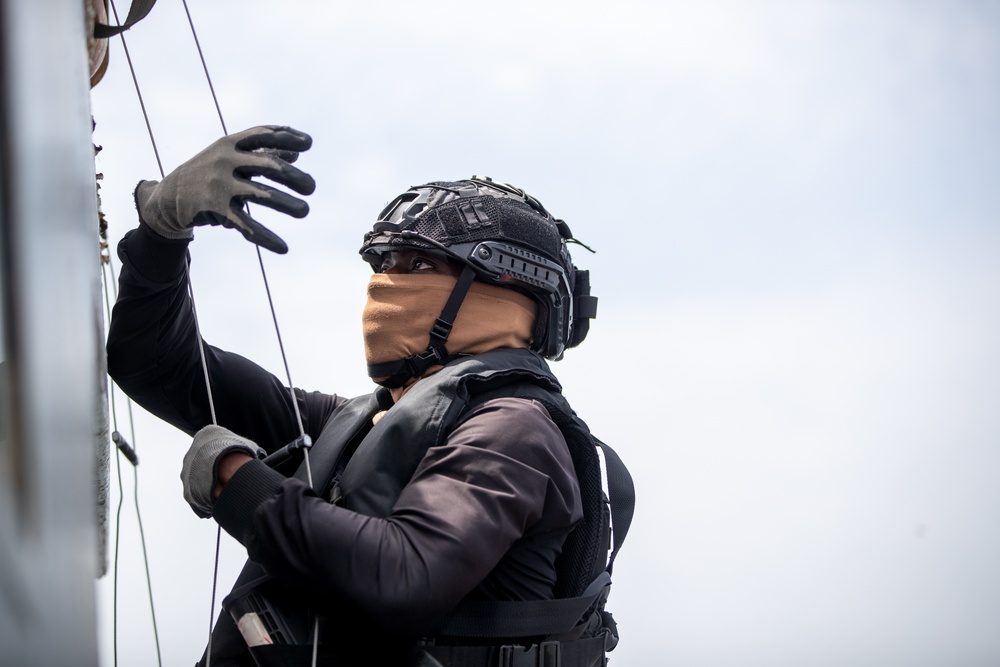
795, 208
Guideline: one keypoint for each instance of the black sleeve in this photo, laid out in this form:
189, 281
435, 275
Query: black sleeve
153, 355
503, 474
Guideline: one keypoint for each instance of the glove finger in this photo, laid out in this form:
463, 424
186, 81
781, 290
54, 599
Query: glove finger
274, 136
252, 230
257, 233
279, 200
278, 171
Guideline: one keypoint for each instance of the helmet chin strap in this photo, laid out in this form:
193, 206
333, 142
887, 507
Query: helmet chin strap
396, 373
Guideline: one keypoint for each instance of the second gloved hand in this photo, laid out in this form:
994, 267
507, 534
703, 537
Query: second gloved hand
200, 467
212, 187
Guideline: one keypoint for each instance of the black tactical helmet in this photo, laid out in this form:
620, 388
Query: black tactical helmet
500, 235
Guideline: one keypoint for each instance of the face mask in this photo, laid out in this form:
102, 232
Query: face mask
402, 308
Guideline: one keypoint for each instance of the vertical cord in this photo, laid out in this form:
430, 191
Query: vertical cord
135, 488
211, 408
284, 359
215, 421
277, 329
145, 558
298, 418
201, 349
118, 521
142, 535
204, 67
194, 312
201, 344
135, 82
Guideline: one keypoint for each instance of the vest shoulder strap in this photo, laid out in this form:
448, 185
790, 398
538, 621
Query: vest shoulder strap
621, 491
527, 618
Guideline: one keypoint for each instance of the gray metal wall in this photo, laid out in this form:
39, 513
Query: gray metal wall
49, 275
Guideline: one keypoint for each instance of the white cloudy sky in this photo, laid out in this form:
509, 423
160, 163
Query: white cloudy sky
795, 208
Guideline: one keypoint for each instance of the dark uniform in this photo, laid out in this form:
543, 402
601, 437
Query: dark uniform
464, 490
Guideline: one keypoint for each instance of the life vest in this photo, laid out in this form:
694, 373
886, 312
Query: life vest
362, 467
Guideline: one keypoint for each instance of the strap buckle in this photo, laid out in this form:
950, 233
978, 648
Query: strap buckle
441, 330
418, 363
546, 654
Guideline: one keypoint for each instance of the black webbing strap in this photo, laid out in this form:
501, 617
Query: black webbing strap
527, 618
588, 651
136, 13
442, 326
621, 493
521, 618
399, 371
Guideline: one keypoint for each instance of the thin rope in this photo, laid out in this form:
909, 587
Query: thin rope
135, 478
118, 521
284, 359
277, 330
142, 534
135, 82
118, 513
298, 418
135, 488
201, 343
260, 257
211, 408
201, 349
204, 67
218, 540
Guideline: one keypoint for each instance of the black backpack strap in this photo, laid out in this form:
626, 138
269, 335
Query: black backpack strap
581, 652
541, 618
532, 618
522, 618
621, 493
527, 618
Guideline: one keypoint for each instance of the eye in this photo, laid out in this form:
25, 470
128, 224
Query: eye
422, 264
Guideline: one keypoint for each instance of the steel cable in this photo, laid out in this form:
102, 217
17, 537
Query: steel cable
204, 364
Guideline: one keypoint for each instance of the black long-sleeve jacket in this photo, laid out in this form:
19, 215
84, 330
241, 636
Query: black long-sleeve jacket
485, 514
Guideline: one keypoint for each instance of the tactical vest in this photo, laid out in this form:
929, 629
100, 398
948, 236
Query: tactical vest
363, 468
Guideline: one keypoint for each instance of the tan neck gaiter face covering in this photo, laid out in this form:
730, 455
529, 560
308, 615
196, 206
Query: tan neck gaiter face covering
401, 310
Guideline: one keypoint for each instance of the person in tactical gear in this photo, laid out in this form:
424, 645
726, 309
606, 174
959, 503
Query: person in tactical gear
456, 514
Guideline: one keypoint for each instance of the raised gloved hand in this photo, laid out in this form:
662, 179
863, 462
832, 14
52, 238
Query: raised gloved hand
212, 187
198, 472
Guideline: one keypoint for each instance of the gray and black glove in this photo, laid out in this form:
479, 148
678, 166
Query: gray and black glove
212, 187
198, 472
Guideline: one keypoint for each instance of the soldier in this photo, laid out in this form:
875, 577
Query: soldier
455, 508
